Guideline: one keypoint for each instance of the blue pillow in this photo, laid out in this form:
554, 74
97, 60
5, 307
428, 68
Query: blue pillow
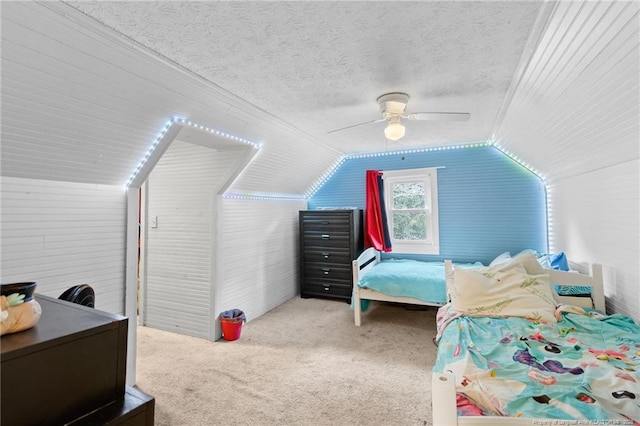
559, 261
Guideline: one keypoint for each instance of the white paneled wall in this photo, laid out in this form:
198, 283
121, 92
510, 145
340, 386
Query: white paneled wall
597, 218
576, 107
574, 116
257, 255
181, 195
83, 103
62, 234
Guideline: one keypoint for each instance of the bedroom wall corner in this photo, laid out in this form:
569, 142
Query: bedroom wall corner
596, 218
257, 255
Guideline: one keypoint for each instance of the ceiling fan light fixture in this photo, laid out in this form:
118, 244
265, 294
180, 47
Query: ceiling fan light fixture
394, 130
393, 107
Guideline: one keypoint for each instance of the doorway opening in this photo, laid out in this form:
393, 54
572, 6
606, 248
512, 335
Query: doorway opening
172, 217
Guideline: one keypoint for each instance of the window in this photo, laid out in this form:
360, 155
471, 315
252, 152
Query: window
411, 198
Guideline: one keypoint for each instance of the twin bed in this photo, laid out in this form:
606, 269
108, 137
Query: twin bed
512, 351
399, 281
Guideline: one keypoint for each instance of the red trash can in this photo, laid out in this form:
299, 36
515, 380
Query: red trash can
231, 323
231, 328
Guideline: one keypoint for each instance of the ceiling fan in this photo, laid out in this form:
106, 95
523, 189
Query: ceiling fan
393, 108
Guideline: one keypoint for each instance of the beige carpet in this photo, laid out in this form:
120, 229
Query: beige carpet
303, 363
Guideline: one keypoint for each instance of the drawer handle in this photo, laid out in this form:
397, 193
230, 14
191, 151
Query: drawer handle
326, 255
326, 270
325, 236
327, 288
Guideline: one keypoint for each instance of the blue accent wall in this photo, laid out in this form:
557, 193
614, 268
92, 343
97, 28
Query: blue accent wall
487, 202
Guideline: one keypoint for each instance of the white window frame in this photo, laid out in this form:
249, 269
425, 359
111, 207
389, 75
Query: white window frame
430, 178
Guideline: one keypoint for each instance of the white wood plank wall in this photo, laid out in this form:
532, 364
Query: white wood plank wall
74, 83
258, 255
605, 203
61, 234
574, 116
181, 194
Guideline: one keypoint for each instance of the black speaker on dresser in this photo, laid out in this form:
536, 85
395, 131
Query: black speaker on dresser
329, 241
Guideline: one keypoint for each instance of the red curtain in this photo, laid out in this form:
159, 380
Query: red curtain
376, 234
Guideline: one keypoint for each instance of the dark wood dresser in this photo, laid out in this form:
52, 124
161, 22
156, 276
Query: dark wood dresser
69, 369
329, 241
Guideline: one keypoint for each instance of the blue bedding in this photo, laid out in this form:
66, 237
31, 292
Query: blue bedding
409, 278
573, 290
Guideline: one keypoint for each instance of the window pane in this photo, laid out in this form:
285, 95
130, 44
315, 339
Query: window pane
408, 195
410, 226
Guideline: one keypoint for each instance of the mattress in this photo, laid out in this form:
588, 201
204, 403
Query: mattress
424, 281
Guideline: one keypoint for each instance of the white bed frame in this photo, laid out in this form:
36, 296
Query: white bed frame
367, 260
443, 385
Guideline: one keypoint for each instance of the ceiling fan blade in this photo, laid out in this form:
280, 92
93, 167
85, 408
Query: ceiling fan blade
442, 116
356, 125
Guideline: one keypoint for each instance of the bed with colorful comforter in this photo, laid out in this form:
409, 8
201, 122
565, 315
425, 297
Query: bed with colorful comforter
508, 349
584, 367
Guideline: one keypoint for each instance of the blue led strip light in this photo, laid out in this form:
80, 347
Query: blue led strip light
325, 177
185, 122
332, 170
261, 196
219, 133
150, 151
519, 161
549, 209
418, 150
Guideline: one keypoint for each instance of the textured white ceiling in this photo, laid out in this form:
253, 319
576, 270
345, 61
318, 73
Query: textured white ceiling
319, 66
87, 86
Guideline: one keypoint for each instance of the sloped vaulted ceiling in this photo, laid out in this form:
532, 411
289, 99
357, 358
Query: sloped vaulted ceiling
576, 106
86, 86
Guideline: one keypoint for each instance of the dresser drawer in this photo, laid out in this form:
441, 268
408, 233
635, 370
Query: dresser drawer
326, 239
326, 222
328, 271
327, 254
326, 288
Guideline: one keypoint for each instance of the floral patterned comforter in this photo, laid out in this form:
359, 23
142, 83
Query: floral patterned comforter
585, 367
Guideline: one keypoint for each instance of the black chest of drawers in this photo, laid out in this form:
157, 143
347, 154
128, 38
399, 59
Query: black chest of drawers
329, 241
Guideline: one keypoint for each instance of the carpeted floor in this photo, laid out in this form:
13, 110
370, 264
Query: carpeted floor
303, 363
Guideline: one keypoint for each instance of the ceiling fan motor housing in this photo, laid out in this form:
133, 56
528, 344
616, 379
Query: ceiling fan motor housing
393, 104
